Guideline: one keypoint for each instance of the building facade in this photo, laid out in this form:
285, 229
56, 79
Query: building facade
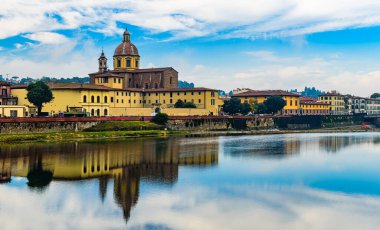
292, 100
373, 106
336, 102
311, 106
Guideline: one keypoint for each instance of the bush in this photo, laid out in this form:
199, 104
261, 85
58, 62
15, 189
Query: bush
190, 105
160, 118
181, 104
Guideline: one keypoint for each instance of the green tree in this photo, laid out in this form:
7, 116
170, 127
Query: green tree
189, 105
375, 95
261, 109
179, 104
274, 104
38, 94
232, 106
160, 118
245, 108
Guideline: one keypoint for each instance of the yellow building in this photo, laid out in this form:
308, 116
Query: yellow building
126, 91
99, 100
310, 106
336, 102
292, 100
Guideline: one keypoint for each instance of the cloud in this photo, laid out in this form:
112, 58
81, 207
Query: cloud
47, 37
184, 19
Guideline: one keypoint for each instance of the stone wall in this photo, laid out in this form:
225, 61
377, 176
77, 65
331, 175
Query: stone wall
254, 123
44, 127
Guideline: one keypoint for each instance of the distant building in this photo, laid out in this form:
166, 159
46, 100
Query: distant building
336, 102
9, 104
292, 100
311, 106
373, 106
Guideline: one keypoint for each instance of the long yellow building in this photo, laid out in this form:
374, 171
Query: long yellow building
292, 100
126, 90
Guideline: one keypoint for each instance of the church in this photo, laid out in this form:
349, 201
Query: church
126, 71
126, 90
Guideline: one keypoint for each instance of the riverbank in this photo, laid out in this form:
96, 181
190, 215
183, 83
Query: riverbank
105, 135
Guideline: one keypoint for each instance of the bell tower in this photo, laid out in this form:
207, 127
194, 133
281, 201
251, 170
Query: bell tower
102, 63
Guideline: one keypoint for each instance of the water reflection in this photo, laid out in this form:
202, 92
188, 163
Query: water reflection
127, 163
335, 143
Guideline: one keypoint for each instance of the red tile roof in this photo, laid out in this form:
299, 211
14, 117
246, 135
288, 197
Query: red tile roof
255, 93
126, 48
60, 85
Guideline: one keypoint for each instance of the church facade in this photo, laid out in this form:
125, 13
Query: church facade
126, 90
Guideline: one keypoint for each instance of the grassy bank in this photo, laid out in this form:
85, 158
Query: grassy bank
78, 136
124, 126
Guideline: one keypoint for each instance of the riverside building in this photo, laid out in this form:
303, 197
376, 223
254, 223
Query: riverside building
126, 90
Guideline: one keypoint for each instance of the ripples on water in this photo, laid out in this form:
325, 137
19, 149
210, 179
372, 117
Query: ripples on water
300, 181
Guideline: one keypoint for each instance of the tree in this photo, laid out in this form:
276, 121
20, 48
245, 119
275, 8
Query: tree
245, 108
274, 104
375, 95
253, 103
232, 106
160, 118
189, 104
261, 109
38, 94
179, 104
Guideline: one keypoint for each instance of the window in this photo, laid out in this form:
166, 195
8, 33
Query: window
117, 100
84, 98
98, 99
134, 101
117, 93
192, 93
129, 101
171, 101
171, 94
118, 63
105, 112
92, 112
177, 93
128, 63
199, 101
156, 101
199, 93
105, 99
122, 101
111, 99
137, 85
164, 102
184, 93
146, 86
92, 99
114, 80
212, 101
156, 86
291, 102
164, 94
137, 64
119, 80
98, 112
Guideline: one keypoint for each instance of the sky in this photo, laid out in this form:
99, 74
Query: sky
258, 44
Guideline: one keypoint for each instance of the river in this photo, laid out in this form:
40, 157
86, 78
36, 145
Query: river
290, 181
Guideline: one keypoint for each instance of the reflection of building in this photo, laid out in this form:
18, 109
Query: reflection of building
263, 148
125, 162
334, 144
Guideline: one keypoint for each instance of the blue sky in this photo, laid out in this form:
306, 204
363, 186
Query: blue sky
259, 44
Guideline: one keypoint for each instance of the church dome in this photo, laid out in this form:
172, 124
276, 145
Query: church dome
126, 48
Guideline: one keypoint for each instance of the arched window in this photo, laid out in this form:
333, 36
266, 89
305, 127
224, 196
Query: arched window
92, 99
84, 98
128, 63
98, 99
105, 112
98, 112
105, 99
92, 112
118, 63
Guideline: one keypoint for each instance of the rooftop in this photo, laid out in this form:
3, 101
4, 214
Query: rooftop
255, 93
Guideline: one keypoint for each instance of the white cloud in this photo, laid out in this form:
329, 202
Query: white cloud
182, 18
47, 37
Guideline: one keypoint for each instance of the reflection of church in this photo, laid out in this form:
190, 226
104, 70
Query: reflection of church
127, 163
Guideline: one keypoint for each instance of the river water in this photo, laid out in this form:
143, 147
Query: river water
294, 181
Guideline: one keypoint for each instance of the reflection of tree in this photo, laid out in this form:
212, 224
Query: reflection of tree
37, 176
